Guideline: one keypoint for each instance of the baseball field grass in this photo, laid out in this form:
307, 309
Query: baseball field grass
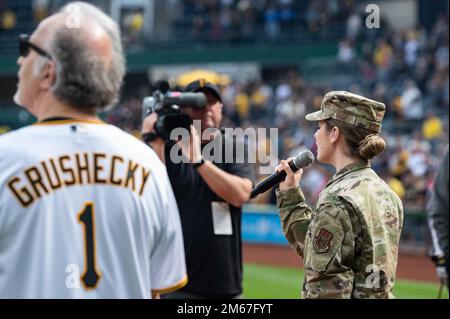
269, 282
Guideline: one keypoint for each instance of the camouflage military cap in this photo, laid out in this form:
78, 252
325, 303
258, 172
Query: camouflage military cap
350, 108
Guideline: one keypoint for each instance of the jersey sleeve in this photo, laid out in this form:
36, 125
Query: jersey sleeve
167, 259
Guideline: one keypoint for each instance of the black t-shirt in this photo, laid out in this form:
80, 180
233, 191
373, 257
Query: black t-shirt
214, 262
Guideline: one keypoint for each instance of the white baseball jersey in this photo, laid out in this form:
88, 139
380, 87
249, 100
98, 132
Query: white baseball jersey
86, 211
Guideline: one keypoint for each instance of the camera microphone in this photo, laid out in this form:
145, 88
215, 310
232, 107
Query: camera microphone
195, 100
162, 86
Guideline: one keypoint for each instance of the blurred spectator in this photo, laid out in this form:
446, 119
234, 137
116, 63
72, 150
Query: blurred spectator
283, 91
411, 48
354, 25
259, 98
292, 108
418, 159
412, 105
346, 53
287, 16
8, 19
441, 57
432, 127
242, 103
271, 22
397, 186
312, 17
383, 58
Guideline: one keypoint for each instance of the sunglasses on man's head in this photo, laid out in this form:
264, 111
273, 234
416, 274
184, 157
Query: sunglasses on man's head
25, 45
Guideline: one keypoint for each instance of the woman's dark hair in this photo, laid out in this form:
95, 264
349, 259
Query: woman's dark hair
361, 143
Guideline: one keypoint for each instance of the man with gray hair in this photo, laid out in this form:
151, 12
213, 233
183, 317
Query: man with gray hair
86, 210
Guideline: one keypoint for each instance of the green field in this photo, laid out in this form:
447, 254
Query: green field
285, 283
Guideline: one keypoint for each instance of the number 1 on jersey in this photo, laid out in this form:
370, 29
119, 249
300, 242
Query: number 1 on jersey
90, 275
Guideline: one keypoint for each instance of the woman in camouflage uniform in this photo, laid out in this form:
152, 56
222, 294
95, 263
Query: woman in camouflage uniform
349, 242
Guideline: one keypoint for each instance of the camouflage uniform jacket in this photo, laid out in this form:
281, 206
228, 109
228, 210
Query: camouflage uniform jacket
349, 243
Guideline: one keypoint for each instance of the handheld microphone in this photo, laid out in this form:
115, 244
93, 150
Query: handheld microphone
303, 159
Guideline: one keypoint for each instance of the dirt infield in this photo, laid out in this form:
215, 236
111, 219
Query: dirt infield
418, 268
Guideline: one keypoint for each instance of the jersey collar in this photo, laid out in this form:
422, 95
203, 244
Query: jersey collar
66, 120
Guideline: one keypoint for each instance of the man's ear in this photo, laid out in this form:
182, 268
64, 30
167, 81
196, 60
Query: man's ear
48, 76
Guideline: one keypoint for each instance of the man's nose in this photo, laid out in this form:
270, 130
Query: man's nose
208, 109
204, 109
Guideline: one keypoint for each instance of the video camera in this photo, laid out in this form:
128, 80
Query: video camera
168, 106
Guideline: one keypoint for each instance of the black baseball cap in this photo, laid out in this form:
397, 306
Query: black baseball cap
202, 85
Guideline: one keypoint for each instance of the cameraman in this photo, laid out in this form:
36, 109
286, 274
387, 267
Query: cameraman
210, 196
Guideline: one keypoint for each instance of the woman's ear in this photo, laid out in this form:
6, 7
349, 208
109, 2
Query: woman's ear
334, 134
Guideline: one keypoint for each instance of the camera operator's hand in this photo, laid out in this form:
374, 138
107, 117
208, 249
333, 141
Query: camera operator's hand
148, 126
192, 148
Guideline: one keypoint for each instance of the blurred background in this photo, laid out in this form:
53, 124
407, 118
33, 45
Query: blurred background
274, 60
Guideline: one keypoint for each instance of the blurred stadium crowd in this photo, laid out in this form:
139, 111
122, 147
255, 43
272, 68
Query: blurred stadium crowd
406, 70
245, 20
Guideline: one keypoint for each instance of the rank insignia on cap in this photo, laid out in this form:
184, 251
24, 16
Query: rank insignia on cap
322, 241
